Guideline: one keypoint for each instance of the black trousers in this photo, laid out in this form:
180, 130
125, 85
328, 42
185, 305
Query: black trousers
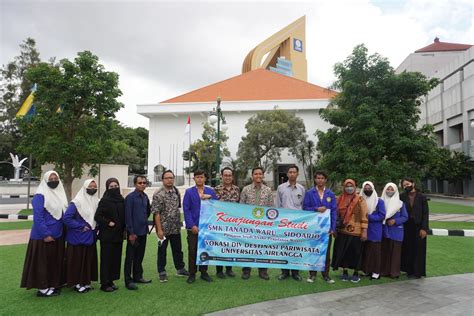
260, 270
192, 254
176, 250
133, 259
221, 269
110, 261
287, 272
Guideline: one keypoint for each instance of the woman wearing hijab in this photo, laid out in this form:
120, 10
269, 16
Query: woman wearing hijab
110, 217
372, 247
81, 250
415, 230
396, 215
44, 261
351, 231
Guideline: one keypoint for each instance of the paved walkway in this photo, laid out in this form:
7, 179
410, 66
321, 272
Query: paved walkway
452, 217
458, 201
14, 237
449, 295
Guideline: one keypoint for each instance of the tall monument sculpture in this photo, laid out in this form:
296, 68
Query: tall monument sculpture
283, 52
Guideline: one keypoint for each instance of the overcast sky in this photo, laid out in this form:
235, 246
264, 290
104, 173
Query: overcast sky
163, 49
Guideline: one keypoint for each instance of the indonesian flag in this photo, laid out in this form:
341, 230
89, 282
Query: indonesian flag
187, 130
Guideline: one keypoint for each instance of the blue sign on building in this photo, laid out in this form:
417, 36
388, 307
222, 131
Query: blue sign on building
298, 45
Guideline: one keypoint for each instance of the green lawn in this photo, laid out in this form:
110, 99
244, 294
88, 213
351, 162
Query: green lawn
449, 208
25, 212
21, 224
179, 298
452, 225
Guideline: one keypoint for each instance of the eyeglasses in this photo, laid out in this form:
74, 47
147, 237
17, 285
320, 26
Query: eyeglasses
141, 182
168, 178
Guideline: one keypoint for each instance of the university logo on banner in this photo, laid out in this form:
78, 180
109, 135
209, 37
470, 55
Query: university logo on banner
235, 234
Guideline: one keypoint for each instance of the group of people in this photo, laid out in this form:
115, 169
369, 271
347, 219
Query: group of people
378, 236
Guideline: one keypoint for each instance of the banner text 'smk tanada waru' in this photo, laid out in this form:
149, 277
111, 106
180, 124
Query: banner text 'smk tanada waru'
232, 234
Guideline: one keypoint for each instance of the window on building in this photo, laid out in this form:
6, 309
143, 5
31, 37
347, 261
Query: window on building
439, 138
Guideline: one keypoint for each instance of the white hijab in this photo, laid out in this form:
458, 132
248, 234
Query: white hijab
86, 204
55, 201
370, 200
392, 204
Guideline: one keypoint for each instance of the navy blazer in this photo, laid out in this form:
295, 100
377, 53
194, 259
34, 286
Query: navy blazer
312, 202
44, 224
395, 232
75, 234
374, 231
192, 205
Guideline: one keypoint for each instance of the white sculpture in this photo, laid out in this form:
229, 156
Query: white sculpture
17, 165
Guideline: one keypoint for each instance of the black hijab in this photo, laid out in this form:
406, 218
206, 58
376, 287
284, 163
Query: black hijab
112, 195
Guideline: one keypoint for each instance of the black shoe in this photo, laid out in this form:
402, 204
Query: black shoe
283, 276
51, 293
182, 272
206, 277
220, 275
296, 277
131, 286
106, 288
191, 278
246, 275
112, 285
230, 273
143, 281
264, 276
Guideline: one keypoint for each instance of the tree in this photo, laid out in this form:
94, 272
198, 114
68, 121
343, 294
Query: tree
14, 89
268, 134
374, 134
205, 150
304, 152
129, 147
450, 166
76, 102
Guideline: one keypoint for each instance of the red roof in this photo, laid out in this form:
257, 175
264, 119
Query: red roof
438, 46
259, 84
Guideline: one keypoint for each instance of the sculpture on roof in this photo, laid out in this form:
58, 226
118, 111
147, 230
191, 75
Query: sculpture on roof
283, 52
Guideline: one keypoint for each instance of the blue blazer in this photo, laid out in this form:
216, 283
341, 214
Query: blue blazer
75, 224
312, 202
374, 231
44, 224
395, 232
192, 205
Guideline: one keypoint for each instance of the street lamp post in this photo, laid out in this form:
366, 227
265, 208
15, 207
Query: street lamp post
216, 116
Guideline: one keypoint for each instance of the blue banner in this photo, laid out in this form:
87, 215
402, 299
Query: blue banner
233, 234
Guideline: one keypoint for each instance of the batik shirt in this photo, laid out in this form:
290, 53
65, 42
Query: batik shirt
251, 195
226, 194
166, 203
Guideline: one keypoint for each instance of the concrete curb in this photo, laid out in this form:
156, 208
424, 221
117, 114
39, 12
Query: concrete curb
20, 196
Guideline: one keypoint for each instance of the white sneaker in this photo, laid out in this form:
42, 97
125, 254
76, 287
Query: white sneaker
311, 279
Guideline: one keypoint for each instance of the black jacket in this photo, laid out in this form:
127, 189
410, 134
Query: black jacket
420, 211
107, 211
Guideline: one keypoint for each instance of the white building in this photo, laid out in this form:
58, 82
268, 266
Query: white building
242, 97
450, 106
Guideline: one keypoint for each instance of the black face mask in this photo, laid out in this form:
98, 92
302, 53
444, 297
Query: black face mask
91, 191
114, 191
368, 192
409, 189
53, 184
